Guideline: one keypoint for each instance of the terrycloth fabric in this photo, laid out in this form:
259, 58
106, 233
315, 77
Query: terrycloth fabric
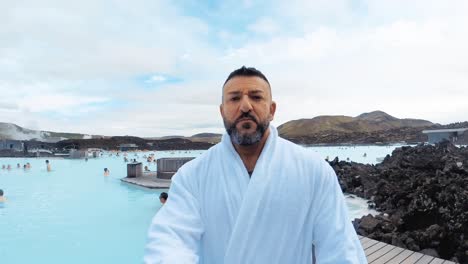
217, 214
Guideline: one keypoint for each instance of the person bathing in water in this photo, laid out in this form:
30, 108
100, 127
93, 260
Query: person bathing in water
2, 198
49, 168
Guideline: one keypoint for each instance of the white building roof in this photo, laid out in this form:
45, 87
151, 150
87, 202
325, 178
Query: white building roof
459, 130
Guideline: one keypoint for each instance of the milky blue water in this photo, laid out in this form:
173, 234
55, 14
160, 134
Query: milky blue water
74, 214
361, 154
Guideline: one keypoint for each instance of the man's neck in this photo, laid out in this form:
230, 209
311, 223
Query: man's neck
249, 154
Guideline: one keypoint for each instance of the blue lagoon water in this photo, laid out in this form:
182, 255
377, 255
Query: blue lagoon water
74, 214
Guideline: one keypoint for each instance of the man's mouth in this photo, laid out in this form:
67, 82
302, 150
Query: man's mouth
246, 118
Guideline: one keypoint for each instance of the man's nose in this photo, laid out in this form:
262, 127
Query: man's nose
245, 104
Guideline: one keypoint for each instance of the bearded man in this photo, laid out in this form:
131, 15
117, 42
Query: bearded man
254, 198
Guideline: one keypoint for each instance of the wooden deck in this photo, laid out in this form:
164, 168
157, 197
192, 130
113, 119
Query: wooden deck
148, 180
380, 253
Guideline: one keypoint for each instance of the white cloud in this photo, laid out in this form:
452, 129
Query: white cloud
156, 78
4, 105
322, 57
57, 103
264, 25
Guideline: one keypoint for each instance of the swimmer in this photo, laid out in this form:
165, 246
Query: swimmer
3, 167
106, 172
49, 168
18, 166
9, 167
25, 167
146, 168
2, 198
28, 165
163, 197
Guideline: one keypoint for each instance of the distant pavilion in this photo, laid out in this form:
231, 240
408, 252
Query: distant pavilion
438, 135
127, 147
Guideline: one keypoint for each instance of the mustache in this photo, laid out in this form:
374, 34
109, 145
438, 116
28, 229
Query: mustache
245, 116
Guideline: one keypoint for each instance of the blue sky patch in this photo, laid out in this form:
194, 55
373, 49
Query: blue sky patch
156, 80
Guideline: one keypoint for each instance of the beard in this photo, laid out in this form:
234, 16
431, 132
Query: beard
246, 139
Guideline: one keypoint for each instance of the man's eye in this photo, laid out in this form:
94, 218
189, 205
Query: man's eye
257, 97
235, 98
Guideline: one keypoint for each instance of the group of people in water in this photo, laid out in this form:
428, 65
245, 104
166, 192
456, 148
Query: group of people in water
26, 166
18, 166
150, 158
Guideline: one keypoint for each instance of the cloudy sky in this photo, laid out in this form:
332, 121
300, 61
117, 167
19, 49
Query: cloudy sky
155, 67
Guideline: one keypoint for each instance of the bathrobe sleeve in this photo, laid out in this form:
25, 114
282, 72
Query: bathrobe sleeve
334, 238
175, 232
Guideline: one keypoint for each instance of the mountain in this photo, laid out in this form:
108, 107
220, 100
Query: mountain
211, 138
15, 132
364, 123
367, 128
113, 143
206, 135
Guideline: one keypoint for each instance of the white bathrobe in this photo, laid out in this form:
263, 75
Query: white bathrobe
217, 214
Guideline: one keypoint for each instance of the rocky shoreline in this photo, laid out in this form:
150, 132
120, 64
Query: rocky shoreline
422, 194
47, 149
390, 136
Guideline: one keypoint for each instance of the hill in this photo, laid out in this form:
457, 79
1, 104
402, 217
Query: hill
370, 127
15, 132
212, 138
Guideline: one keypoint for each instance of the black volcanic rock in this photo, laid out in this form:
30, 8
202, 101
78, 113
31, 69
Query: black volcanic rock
424, 192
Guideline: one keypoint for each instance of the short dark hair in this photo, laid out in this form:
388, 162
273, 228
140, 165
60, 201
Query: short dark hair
1, 192
248, 72
163, 195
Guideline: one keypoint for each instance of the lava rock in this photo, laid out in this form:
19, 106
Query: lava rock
424, 192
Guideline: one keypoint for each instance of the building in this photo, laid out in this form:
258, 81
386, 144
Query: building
127, 147
78, 154
453, 135
9, 144
167, 167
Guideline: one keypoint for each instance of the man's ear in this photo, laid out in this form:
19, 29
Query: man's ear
221, 110
272, 110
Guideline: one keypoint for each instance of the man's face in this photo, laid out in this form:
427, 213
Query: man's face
162, 200
247, 109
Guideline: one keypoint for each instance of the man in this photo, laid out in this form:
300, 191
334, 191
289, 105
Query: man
49, 168
2, 198
163, 198
254, 198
